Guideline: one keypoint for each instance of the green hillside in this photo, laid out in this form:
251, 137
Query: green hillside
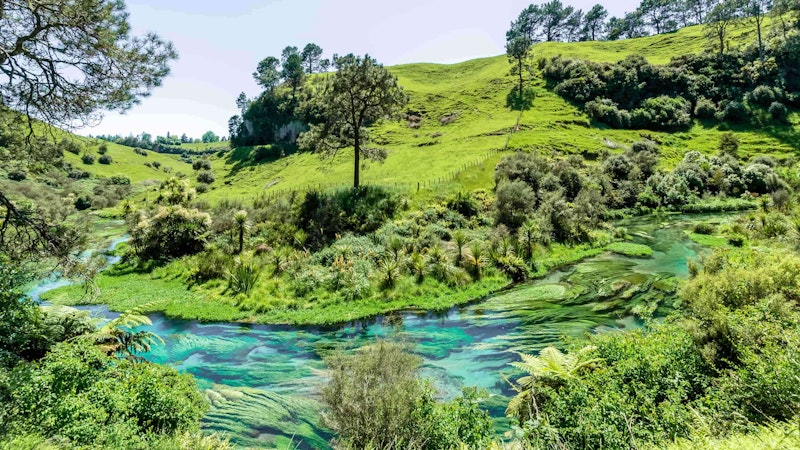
471, 98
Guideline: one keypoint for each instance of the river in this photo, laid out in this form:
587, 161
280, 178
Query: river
263, 381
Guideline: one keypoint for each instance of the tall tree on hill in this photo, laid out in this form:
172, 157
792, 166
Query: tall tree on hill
267, 73
529, 23
720, 21
311, 56
292, 69
554, 19
594, 21
518, 50
758, 10
358, 94
697, 9
64, 62
659, 14
573, 27
633, 25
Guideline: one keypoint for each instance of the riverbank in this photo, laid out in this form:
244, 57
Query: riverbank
167, 290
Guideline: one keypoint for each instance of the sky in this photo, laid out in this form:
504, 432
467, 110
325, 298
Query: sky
221, 42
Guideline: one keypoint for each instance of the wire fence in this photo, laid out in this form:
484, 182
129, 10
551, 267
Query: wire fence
270, 194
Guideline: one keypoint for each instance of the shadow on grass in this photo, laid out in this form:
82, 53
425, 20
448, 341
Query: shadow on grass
132, 265
518, 102
243, 157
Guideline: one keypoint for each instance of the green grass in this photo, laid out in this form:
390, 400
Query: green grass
630, 249
448, 156
125, 161
708, 240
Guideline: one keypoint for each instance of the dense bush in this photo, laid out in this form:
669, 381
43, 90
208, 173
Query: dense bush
120, 180
171, 232
727, 361
375, 399
607, 111
664, 113
78, 393
778, 111
205, 176
87, 159
705, 109
201, 164
324, 216
516, 201
105, 159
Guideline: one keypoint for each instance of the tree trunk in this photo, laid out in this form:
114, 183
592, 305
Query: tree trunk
241, 238
357, 167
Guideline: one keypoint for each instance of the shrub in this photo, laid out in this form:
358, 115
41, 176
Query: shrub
464, 204
171, 232
87, 159
322, 216
705, 109
201, 164
202, 188
735, 112
120, 180
778, 111
267, 153
211, 264
729, 144
762, 96
105, 159
156, 164
606, 111
102, 149
243, 277
516, 201
513, 267
83, 203
375, 399
206, 176
79, 174
70, 146
704, 228
667, 113
17, 175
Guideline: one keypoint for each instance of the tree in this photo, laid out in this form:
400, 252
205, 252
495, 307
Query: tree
554, 19
659, 14
267, 74
518, 50
63, 62
633, 25
697, 9
242, 102
594, 21
720, 20
292, 69
758, 10
359, 93
240, 217
312, 56
210, 136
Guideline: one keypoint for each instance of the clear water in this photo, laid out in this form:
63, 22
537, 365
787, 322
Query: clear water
263, 381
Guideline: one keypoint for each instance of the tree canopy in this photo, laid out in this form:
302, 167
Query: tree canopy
360, 92
64, 62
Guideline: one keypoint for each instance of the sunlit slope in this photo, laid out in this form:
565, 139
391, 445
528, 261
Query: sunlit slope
125, 161
464, 116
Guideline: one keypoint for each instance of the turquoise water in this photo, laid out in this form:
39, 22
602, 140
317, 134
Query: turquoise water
263, 381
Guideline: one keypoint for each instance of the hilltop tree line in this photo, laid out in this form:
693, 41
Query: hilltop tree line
555, 22
757, 82
146, 140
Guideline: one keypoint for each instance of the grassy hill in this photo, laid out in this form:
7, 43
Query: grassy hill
464, 120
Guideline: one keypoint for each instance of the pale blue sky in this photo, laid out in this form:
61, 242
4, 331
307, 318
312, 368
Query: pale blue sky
220, 43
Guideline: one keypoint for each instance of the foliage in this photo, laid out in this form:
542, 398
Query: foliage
375, 399
323, 216
358, 94
85, 54
170, 232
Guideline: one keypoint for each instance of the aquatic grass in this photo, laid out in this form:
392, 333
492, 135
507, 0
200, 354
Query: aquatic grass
630, 249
